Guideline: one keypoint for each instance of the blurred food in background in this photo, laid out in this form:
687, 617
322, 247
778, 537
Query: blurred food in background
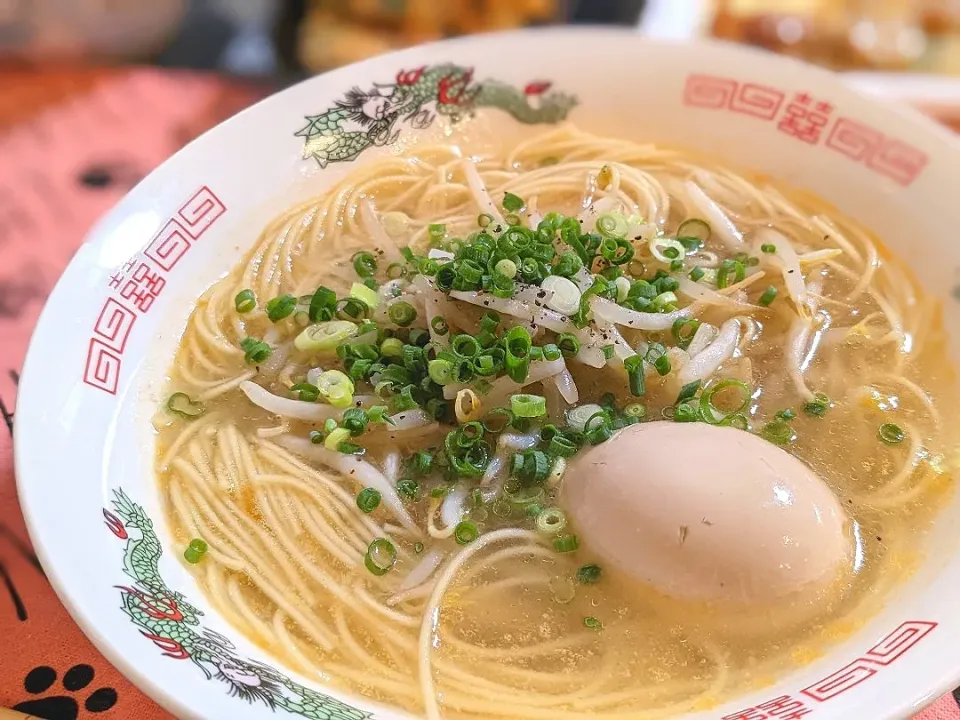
337, 32
915, 35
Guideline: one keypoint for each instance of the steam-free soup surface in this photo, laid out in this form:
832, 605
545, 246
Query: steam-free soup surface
372, 514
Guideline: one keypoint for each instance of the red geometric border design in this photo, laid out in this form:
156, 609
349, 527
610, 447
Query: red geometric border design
709, 91
854, 140
201, 211
844, 679
169, 245
114, 324
899, 641
758, 100
102, 370
898, 161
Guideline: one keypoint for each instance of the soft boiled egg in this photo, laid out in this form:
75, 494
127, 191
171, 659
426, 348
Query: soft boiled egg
702, 512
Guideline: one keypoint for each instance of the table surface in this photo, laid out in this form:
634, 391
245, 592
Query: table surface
52, 188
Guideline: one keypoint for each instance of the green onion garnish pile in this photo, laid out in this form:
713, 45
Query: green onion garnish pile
538, 295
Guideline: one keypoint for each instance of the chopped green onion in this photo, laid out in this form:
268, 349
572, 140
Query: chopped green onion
195, 551
635, 410
497, 420
512, 203
736, 420
255, 351
335, 437
697, 274
635, 375
511, 219
612, 225
569, 344
532, 466
365, 264
683, 330
818, 406
687, 392
694, 229
408, 488
323, 304
568, 264
507, 268
483, 220
439, 326
778, 432
891, 434
280, 307
245, 301
355, 420
353, 308
768, 248
440, 371
686, 412
659, 246
368, 500
465, 532
305, 392
336, 387
566, 543
528, 406
727, 267
325, 335
381, 556
436, 231
551, 521
608, 351
578, 417
316, 437
562, 447
402, 313
589, 574
421, 462
517, 344
769, 295
662, 365
787, 414
713, 414
364, 294
533, 510
592, 623
181, 404
392, 348
465, 346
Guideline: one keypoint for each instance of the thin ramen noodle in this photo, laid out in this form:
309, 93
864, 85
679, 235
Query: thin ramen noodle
370, 418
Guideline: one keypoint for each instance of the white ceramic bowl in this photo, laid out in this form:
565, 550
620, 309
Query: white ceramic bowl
84, 445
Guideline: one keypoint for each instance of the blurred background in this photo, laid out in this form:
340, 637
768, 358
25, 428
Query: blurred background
907, 48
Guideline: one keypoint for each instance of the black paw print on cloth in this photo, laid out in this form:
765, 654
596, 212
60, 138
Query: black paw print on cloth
64, 707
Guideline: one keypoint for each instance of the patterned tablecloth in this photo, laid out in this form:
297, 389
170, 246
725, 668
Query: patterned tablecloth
72, 142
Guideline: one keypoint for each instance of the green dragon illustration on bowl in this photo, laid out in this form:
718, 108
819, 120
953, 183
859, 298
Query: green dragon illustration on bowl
375, 117
166, 617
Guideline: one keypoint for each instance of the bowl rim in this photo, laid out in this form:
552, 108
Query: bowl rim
29, 387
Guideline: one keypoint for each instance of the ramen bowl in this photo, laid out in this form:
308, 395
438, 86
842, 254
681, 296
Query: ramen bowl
96, 368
